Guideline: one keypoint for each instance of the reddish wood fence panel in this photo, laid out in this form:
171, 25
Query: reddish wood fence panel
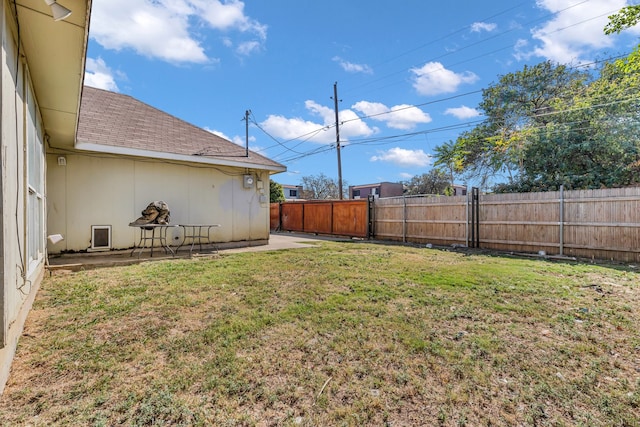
274, 216
351, 218
335, 217
318, 218
292, 217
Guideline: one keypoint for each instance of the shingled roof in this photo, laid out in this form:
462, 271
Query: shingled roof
115, 123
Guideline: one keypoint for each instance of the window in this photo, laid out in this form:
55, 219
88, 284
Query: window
293, 193
35, 182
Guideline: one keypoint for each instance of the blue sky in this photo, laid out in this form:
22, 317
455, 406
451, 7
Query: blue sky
409, 73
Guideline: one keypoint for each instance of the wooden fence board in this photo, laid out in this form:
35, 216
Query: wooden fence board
292, 216
318, 218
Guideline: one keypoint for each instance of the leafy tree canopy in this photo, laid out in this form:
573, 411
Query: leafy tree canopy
435, 181
627, 17
549, 125
518, 103
276, 193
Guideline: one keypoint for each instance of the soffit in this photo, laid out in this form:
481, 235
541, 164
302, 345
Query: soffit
55, 53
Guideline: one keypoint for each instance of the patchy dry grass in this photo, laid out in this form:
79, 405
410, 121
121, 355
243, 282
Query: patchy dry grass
343, 334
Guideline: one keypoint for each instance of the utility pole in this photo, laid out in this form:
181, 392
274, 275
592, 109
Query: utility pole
246, 138
335, 101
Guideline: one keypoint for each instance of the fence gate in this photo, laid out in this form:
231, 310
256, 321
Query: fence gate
337, 217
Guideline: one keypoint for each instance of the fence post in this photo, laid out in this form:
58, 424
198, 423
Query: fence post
404, 219
561, 220
466, 211
475, 217
370, 216
332, 230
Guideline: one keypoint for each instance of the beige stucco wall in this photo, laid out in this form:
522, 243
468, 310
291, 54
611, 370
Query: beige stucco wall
19, 281
100, 189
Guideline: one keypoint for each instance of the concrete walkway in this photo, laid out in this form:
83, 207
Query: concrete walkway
278, 241
87, 261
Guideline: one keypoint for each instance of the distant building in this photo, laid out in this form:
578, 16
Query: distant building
292, 192
459, 190
381, 189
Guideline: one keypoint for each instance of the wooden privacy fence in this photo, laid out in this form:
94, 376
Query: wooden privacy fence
335, 217
603, 224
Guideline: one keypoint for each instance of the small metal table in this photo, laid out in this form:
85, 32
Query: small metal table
149, 235
198, 233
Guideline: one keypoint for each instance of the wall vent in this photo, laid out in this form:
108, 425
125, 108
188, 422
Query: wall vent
100, 237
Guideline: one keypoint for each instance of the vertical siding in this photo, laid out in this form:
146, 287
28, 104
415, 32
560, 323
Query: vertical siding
107, 190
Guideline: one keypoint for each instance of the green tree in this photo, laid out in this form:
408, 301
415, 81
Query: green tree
436, 181
627, 17
514, 108
593, 140
321, 187
276, 193
448, 157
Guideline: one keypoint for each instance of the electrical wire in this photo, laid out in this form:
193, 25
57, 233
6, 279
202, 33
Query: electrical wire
492, 37
380, 141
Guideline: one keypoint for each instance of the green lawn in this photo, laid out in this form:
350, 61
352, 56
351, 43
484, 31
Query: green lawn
346, 334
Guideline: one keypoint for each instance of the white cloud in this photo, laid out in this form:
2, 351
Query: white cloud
405, 158
351, 67
575, 30
433, 79
323, 133
521, 52
406, 175
220, 134
477, 27
462, 112
247, 48
401, 116
163, 28
371, 108
99, 75
238, 140
228, 15
292, 128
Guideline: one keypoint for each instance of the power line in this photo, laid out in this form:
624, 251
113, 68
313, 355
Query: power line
309, 135
313, 133
394, 138
474, 43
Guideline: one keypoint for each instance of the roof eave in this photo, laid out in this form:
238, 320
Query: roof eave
55, 53
242, 162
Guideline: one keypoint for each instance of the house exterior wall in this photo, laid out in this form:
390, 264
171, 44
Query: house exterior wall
19, 278
459, 190
292, 192
98, 189
382, 189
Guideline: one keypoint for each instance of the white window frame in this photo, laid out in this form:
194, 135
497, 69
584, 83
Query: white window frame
35, 164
